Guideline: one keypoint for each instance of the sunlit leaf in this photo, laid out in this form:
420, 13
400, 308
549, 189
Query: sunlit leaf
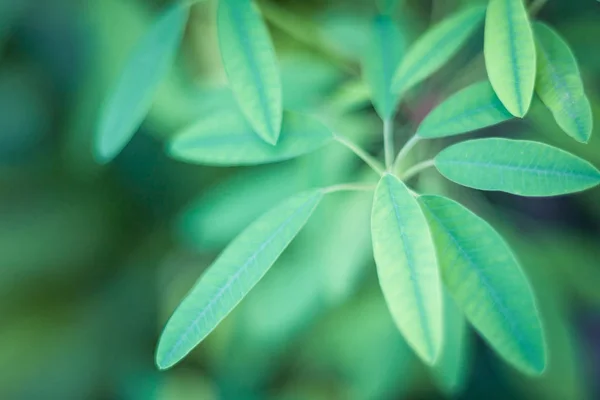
435, 48
487, 283
407, 266
559, 84
226, 138
384, 51
509, 50
131, 98
519, 167
474, 107
450, 370
251, 66
241, 265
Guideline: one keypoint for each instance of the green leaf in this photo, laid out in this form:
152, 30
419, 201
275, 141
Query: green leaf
519, 167
487, 283
559, 84
384, 52
388, 7
131, 98
407, 266
226, 138
472, 108
450, 369
436, 47
235, 272
509, 50
251, 66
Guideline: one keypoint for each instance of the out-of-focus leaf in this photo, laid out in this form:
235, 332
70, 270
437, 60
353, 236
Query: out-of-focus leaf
559, 84
484, 278
384, 51
450, 370
131, 98
348, 34
186, 386
251, 66
407, 266
509, 49
225, 138
349, 97
472, 108
435, 48
388, 7
241, 265
519, 167
221, 212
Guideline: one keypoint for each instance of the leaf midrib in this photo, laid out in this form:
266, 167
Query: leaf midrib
513, 53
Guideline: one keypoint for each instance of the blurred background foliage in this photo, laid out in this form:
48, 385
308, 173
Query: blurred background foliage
93, 259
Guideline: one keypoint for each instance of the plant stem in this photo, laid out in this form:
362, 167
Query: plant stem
388, 142
415, 169
404, 151
366, 157
349, 187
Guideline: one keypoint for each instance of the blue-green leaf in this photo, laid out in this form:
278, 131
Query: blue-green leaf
251, 66
436, 47
235, 272
407, 266
487, 283
384, 51
131, 98
509, 50
519, 167
474, 107
226, 138
559, 84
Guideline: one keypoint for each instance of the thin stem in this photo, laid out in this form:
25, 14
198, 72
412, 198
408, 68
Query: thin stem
366, 157
415, 169
388, 142
536, 6
349, 187
405, 150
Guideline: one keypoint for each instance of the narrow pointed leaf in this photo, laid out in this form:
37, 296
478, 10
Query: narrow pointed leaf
451, 368
509, 50
131, 98
384, 51
226, 138
436, 47
519, 167
472, 108
251, 66
559, 84
487, 283
407, 266
235, 272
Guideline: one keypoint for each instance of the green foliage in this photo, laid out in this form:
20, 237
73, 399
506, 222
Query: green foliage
516, 166
225, 138
559, 84
435, 48
251, 66
131, 98
472, 108
406, 266
510, 54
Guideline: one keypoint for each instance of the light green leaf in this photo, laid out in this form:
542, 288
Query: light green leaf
226, 138
436, 47
559, 84
384, 52
251, 66
519, 167
131, 98
407, 266
472, 108
450, 369
235, 272
509, 50
484, 278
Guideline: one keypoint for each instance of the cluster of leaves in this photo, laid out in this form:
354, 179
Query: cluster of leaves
437, 261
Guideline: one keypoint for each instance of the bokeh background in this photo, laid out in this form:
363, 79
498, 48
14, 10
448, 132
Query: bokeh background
93, 259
